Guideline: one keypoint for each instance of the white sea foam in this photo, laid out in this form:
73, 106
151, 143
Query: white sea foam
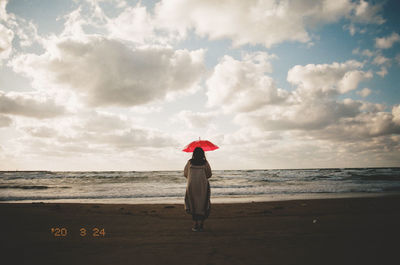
169, 186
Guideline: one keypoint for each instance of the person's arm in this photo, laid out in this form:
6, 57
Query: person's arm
208, 170
185, 171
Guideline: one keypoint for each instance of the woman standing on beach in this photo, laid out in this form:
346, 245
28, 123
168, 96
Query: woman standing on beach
197, 198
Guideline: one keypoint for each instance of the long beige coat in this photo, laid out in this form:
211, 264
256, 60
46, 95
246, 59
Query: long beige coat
197, 198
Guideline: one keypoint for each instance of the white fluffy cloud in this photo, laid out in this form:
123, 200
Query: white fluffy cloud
107, 72
365, 12
103, 122
364, 126
196, 120
307, 114
133, 24
396, 114
3, 12
365, 52
5, 121
380, 59
12, 27
251, 135
260, 22
314, 108
365, 92
6, 34
243, 85
29, 105
325, 79
132, 139
6, 37
382, 72
347, 121
41, 131
90, 132
387, 42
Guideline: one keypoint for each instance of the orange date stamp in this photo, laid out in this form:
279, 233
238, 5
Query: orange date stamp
83, 232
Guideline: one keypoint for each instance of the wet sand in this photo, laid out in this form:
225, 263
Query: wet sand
321, 231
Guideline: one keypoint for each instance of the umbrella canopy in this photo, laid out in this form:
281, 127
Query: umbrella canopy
204, 144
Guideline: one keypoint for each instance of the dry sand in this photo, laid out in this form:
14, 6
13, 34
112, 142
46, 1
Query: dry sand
323, 231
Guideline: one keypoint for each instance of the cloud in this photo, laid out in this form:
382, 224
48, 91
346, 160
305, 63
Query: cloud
307, 114
5, 121
197, 120
351, 28
328, 79
380, 59
94, 134
367, 52
348, 121
3, 11
110, 130
396, 114
365, 92
40, 131
104, 122
107, 72
132, 139
366, 12
250, 135
387, 42
383, 62
314, 109
14, 27
6, 37
260, 22
128, 24
243, 85
362, 12
29, 105
364, 126
382, 72
134, 24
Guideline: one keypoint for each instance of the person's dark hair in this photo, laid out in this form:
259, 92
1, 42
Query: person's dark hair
198, 158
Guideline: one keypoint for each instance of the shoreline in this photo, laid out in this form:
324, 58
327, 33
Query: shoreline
215, 199
179, 169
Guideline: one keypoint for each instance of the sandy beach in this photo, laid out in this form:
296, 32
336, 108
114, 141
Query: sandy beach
319, 231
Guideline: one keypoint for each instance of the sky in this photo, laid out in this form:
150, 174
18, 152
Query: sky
126, 85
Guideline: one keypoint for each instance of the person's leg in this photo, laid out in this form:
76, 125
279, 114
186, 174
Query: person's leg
201, 225
195, 223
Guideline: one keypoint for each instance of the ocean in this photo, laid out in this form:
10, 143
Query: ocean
169, 186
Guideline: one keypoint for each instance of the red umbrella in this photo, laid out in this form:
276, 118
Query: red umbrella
204, 144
